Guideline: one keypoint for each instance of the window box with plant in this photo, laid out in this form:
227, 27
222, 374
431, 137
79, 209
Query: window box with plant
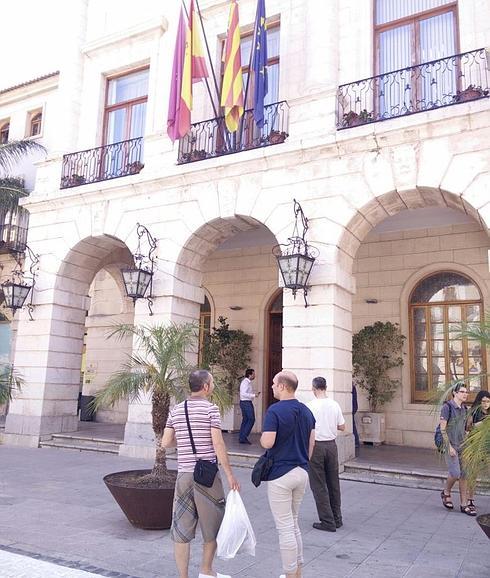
376, 349
135, 167
277, 137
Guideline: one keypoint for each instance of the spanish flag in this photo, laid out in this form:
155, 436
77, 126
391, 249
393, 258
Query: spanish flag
232, 87
189, 67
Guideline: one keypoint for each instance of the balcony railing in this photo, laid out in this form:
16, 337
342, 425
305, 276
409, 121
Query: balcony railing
210, 138
13, 230
102, 163
427, 86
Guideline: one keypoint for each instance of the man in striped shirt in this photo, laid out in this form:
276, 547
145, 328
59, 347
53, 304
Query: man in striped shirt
192, 501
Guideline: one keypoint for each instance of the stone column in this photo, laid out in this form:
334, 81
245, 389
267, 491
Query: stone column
317, 340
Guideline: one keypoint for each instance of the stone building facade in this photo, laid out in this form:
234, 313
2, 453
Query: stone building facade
389, 204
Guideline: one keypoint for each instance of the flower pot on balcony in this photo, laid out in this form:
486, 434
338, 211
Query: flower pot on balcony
470, 93
135, 167
277, 137
73, 180
197, 155
352, 118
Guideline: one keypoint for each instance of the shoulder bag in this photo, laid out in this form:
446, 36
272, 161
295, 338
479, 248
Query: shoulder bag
263, 466
204, 471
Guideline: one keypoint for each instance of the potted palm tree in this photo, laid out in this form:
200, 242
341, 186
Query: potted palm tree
156, 368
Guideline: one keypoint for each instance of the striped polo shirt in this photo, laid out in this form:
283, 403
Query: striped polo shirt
203, 415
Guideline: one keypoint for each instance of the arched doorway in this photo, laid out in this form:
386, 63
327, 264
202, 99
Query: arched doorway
274, 345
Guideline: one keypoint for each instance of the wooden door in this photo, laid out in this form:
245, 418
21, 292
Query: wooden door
274, 358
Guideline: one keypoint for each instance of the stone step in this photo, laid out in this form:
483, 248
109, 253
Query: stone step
83, 448
421, 479
89, 444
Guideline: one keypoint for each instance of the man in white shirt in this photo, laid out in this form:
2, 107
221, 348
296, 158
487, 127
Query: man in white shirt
248, 413
324, 463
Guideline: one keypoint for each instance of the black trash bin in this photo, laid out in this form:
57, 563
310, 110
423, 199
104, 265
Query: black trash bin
86, 411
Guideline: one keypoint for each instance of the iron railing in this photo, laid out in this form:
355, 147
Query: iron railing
14, 225
427, 86
102, 163
210, 138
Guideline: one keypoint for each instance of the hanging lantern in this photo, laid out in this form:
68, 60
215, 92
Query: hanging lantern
138, 280
296, 258
17, 288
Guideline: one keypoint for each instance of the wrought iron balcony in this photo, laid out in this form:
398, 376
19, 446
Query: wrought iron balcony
427, 86
211, 138
14, 225
102, 163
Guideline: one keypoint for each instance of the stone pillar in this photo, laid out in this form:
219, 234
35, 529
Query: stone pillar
139, 440
48, 357
317, 340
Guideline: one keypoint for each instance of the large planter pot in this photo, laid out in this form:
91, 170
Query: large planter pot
371, 427
484, 523
145, 507
232, 418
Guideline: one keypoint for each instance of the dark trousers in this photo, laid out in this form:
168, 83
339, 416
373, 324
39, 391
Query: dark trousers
324, 482
248, 419
357, 443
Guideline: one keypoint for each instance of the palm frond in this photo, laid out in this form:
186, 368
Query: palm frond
11, 190
10, 381
476, 451
14, 151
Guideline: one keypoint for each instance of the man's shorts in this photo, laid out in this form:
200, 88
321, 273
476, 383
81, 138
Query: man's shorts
455, 465
193, 503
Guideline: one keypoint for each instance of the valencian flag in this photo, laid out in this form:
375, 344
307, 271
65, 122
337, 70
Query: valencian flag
189, 66
232, 88
259, 64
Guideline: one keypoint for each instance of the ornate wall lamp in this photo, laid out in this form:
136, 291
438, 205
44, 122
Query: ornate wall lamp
296, 258
138, 280
18, 287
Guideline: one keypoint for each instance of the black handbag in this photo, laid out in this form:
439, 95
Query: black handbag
261, 470
204, 471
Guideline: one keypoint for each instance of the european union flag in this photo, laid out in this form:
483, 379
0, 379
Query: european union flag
259, 64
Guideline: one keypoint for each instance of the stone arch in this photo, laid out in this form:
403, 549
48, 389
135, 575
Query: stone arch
388, 204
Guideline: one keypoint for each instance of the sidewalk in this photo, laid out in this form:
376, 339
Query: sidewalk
53, 503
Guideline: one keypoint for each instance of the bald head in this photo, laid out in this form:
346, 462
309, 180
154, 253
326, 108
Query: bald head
288, 379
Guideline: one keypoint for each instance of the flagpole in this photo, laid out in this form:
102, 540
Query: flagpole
211, 64
208, 51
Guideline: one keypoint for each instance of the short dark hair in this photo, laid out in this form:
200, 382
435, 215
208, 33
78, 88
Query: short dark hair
288, 379
319, 383
458, 386
249, 372
198, 379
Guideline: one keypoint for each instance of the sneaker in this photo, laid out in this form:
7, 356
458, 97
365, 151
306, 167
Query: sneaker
338, 523
246, 442
324, 527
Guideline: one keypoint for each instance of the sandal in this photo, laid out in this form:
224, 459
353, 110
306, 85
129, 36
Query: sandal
447, 501
471, 504
468, 510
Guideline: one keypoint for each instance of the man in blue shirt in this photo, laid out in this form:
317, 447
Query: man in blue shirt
289, 435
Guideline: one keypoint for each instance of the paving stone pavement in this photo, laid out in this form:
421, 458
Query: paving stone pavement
54, 506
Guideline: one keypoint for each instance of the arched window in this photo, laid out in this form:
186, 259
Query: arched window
36, 121
439, 305
204, 327
4, 132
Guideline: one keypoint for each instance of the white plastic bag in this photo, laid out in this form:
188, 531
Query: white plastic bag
235, 535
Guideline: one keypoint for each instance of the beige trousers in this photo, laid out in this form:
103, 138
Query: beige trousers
285, 496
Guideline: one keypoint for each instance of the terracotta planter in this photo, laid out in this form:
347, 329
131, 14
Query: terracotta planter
484, 523
146, 508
